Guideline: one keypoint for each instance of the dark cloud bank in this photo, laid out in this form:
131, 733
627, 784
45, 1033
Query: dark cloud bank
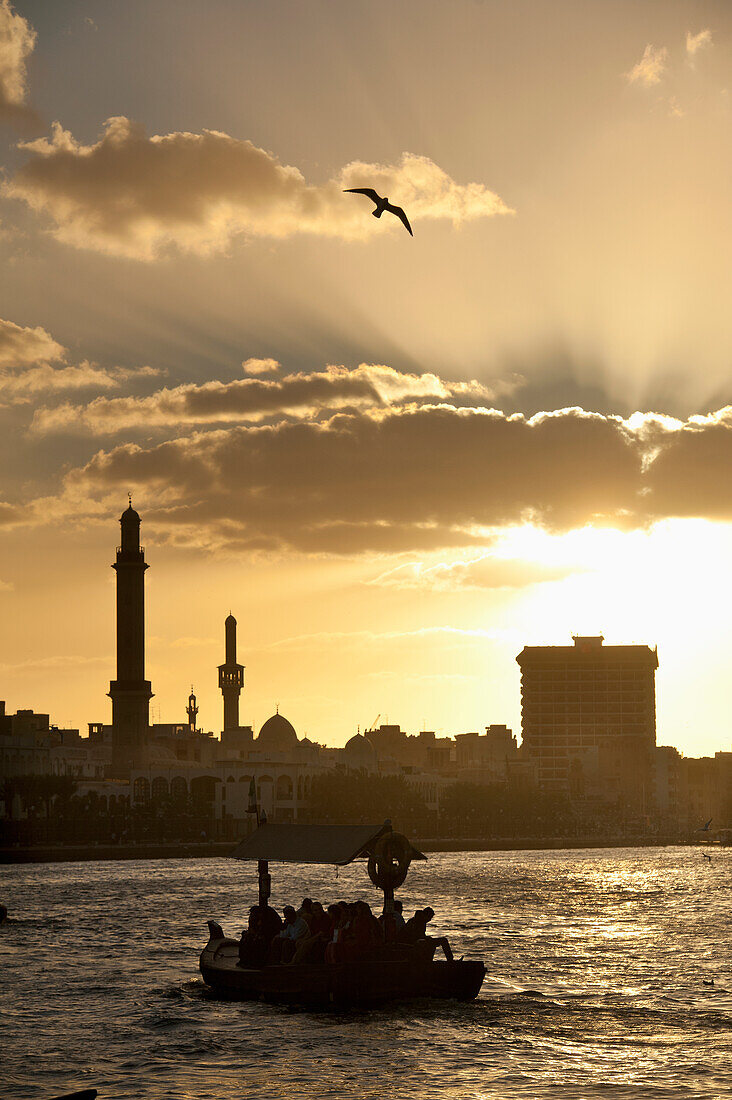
413, 477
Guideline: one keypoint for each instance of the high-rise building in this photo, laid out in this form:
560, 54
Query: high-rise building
588, 717
130, 692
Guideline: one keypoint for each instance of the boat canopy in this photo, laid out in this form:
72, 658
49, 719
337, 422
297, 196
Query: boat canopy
339, 844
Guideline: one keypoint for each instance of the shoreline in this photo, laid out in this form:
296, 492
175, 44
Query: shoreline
86, 853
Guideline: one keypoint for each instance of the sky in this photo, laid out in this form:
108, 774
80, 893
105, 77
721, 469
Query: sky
396, 460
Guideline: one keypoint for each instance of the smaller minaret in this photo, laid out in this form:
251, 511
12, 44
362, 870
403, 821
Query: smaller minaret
192, 711
231, 677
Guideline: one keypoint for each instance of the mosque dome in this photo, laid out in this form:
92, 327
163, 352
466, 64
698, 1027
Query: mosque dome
277, 734
360, 753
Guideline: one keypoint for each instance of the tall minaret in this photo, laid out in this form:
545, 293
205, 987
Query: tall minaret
130, 692
231, 677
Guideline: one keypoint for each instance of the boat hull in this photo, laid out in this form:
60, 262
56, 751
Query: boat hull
365, 982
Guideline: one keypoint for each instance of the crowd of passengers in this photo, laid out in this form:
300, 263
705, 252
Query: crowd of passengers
345, 932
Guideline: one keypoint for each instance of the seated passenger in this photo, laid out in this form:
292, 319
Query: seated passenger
253, 945
305, 910
334, 951
333, 917
311, 948
271, 922
392, 923
320, 923
285, 942
415, 932
366, 930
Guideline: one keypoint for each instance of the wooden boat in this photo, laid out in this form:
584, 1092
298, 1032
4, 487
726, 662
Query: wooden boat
391, 972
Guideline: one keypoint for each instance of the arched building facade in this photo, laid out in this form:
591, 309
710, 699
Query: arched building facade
281, 764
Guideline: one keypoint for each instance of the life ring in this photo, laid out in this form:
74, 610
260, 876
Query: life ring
390, 861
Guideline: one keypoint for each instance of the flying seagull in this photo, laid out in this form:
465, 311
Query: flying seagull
381, 205
705, 856
705, 827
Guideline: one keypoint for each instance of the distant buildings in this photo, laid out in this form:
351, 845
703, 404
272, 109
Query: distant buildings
30, 745
469, 757
486, 758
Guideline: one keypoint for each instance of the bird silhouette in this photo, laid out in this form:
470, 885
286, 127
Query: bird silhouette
705, 827
705, 856
381, 205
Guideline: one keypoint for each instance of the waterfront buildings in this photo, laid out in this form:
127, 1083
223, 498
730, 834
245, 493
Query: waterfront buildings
588, 724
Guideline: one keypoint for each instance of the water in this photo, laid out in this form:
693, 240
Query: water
609, 976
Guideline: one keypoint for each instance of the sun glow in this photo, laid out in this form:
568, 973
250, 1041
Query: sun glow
658, 587
643, 586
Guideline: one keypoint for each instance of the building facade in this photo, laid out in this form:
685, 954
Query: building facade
588, 718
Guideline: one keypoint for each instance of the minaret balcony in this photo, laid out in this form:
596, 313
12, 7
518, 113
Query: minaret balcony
231, 677
130, 687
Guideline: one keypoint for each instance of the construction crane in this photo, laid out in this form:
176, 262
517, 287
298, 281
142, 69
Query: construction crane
373, 724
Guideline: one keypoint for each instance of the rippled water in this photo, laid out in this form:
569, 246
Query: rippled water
609, 976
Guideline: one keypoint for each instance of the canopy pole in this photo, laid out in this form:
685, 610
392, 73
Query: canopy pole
389, 925
265, 882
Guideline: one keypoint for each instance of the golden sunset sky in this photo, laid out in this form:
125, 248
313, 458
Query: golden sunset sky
396, 460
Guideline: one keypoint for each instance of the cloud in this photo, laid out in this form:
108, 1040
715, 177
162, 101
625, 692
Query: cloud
24, 387
371, 459
26, 355
402, 478
252, 399
689, 473
62, 660
485, 571
23, 347
188, 642
401, 677
696, 42
17, 39
133, 195
339, 638
409, 478
12, 515
260, 366
650, 68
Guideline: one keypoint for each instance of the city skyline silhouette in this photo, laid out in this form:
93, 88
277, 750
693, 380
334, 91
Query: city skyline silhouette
401, 460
